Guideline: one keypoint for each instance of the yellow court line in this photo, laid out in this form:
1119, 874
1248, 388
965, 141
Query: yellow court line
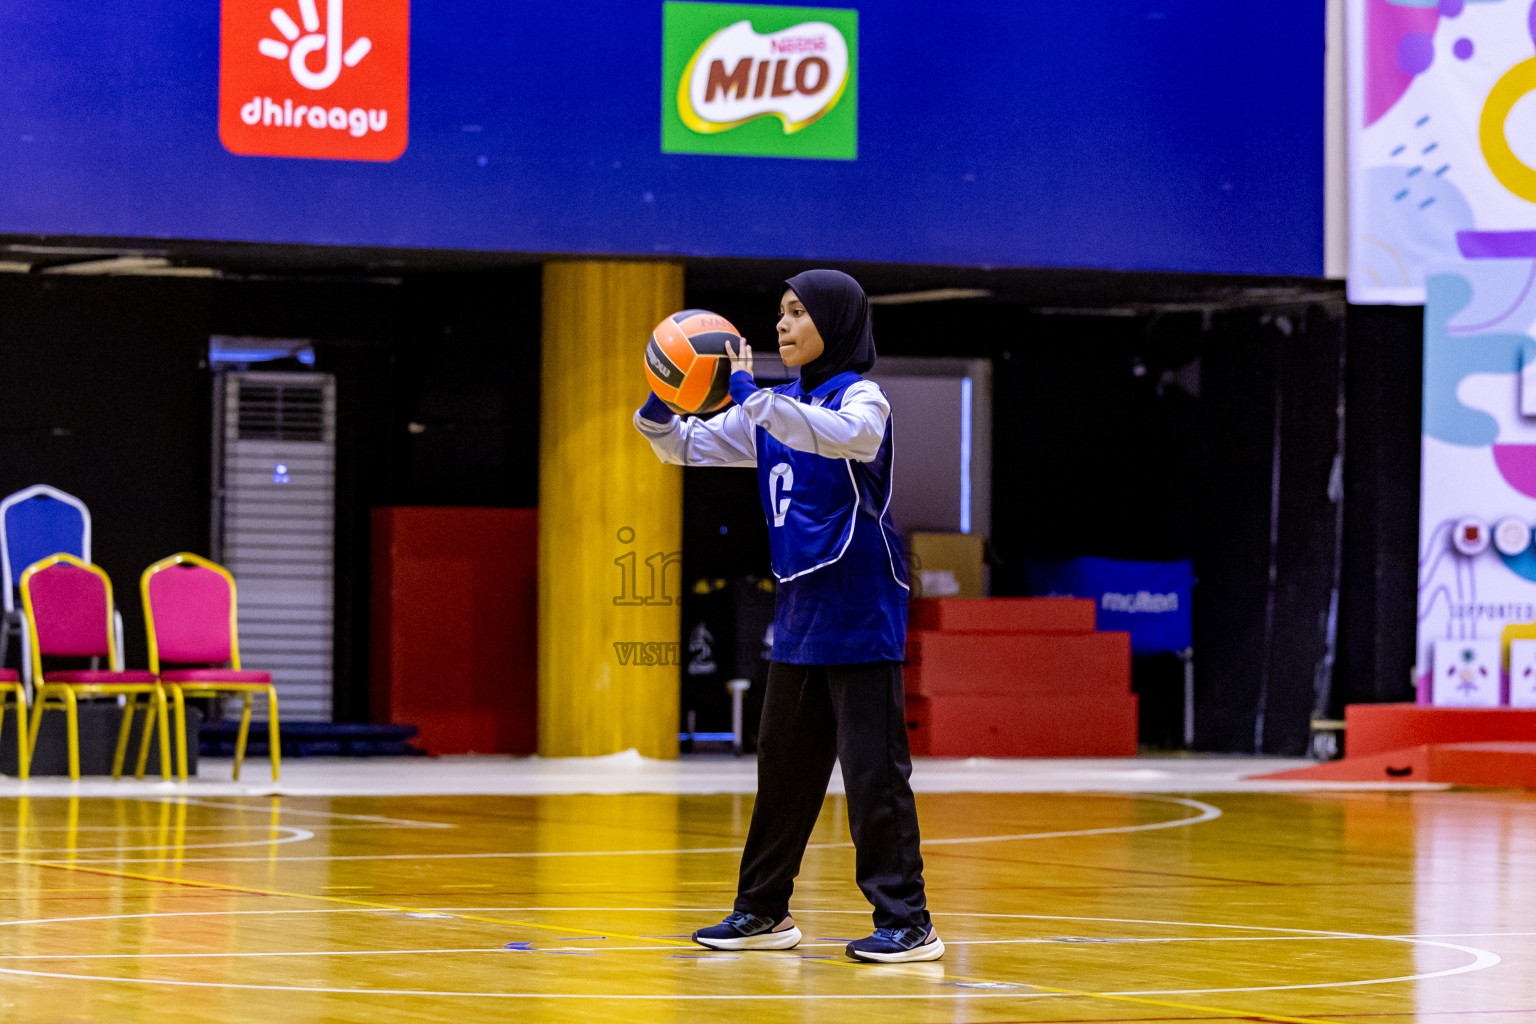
374, 905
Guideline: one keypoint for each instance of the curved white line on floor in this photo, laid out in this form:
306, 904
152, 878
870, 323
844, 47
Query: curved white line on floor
597, 997
1204, 812
281, 953
199, 913
1482, 959
673, 947
130, 828
256, 809
296, 835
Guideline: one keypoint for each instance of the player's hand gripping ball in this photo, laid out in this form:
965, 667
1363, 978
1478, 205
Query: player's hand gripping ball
686, 362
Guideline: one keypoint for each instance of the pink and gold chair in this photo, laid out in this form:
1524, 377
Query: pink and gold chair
10, 687
69, 612
189, 612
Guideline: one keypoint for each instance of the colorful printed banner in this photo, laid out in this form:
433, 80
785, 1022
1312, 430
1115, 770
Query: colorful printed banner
1443, 210
1442, 148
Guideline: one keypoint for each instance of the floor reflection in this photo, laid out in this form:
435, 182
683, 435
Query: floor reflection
1055, 906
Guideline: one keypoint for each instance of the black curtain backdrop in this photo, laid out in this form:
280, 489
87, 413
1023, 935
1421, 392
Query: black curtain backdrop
437, 404
1144, 435
1262, 647
1381, 550
106, 392
1147, 435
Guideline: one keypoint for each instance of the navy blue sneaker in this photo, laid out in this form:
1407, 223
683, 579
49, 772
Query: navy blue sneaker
898, 946
749, 931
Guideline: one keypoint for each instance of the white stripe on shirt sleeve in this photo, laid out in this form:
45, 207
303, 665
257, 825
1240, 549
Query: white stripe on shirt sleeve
724, 440
854, 431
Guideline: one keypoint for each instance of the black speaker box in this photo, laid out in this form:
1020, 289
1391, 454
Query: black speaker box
99, 722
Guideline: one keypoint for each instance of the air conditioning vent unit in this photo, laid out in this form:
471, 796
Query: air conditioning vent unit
274, 524
281, 412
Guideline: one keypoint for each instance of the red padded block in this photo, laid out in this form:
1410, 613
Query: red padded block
1004, 614
1484, 764
1378, 728
1097, 725
454, 625
1018, 664
1408, 765
9, 675
1503, 765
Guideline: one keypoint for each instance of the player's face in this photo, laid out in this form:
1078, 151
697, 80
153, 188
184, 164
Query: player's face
799, 340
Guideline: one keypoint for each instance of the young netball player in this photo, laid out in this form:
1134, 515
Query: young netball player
822, 448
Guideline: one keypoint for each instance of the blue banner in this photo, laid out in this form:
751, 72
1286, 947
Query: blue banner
1091, 134
1149, 600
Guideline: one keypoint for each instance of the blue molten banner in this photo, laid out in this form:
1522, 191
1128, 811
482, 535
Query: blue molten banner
1149, 600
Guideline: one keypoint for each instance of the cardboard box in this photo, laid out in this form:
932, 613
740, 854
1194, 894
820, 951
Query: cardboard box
947, 565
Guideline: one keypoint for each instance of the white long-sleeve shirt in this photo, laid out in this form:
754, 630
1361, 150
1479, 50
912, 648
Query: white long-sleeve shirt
853, 431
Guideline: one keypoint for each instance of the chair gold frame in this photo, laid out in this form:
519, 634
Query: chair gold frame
15, 688
64, 696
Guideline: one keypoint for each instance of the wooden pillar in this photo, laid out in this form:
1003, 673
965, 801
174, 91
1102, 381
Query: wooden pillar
610, 518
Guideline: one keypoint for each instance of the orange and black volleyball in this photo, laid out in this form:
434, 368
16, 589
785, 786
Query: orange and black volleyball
686, 362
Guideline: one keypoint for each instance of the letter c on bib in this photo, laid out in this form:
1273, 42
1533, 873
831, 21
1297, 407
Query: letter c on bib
780, 477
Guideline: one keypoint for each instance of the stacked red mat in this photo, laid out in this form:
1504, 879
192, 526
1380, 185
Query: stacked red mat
1017, 677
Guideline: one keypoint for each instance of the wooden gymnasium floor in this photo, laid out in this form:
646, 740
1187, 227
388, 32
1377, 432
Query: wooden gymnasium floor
172, 904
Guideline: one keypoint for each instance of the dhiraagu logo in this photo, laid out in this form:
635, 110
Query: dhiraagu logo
303, 78
755, 80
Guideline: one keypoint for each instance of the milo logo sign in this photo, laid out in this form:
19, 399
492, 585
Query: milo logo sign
754, 80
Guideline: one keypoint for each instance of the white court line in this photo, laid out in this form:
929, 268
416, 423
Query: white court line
296, 835
1118, 940
596, 996
254, 826
198, 913
283, 809
1206, 812
1473, 935
488, 855
333, 952
1482, 959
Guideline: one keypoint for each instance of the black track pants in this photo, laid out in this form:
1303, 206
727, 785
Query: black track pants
814, 715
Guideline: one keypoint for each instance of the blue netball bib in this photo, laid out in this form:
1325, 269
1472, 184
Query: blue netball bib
812, 501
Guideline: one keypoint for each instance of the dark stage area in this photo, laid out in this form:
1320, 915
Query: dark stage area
1134, 416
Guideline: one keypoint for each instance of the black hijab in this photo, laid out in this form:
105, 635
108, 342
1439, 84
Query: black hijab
840, 311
